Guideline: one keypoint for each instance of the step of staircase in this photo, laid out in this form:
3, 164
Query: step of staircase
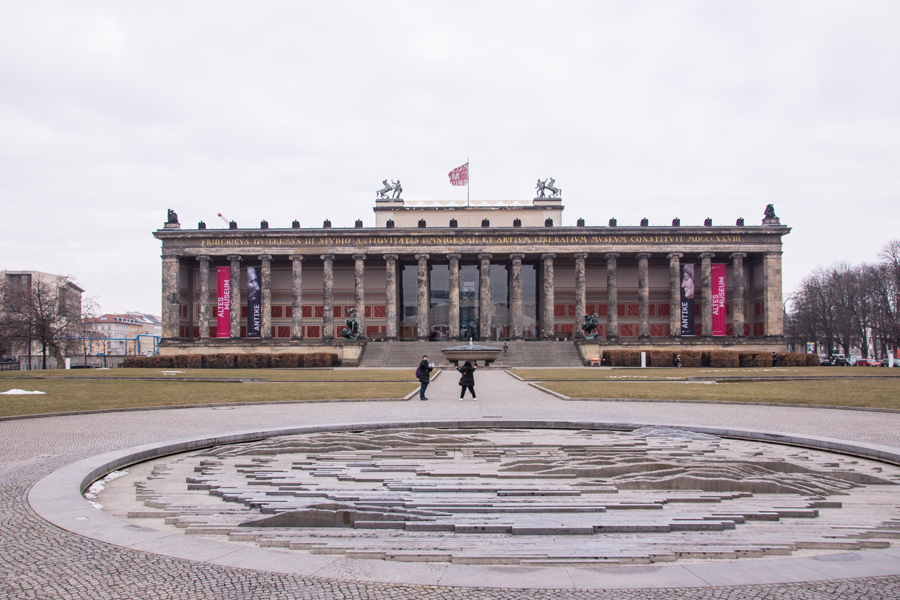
521, 353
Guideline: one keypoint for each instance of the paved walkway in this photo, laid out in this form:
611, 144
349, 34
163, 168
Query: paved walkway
38, 560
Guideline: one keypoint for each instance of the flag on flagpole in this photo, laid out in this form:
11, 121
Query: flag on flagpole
460, 175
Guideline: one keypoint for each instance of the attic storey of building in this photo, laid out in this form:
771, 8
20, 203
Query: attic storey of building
180, 242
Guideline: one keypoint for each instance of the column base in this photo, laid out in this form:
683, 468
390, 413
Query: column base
644, 338
516, 338
296, 339
612, 338
675, 338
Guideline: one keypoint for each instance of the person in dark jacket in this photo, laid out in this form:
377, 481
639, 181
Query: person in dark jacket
424, 376
467, 380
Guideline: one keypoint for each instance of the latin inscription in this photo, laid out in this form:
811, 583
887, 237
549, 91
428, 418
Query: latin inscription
474, 240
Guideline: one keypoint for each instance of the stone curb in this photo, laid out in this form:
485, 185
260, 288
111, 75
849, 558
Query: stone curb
57, 498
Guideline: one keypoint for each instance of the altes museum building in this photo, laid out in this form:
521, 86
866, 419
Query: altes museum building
489, 271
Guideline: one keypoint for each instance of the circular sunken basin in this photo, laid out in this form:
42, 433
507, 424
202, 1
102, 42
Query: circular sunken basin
515, 496
473, 352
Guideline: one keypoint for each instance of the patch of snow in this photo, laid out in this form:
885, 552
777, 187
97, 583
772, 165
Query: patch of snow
16, 392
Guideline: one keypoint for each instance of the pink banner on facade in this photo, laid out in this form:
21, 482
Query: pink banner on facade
717, 275
223, 302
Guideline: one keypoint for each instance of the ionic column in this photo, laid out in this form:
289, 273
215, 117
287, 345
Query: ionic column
774, 308
738, 293
612, 297
390, 299
328, 297
359, 296
579, 291
297, 296
204, 297
266, 295
235, 308
485, 312
548, 298
706, 294
170, 267
454, 296
674, 294
422, 321
517, 315
643, 296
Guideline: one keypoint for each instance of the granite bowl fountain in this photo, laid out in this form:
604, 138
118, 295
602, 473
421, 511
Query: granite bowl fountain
457, 355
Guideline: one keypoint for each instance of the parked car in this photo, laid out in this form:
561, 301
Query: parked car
841, 361
884, 362
867, 362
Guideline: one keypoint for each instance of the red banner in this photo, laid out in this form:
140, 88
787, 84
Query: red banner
460, 175
717, 276
223, 302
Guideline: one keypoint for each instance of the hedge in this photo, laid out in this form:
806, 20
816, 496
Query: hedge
234, 361
722, 359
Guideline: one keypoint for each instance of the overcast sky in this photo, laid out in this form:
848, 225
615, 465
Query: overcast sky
111, 113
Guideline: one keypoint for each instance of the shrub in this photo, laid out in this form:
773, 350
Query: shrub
812, 360
135, 362
792, 359
691, 358
218, 361
623, 358
724, 359
287, 361
320, 359
189, 361
756, 359
661, 358
253, 361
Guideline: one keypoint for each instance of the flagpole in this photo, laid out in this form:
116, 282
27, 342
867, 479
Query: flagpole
469, 182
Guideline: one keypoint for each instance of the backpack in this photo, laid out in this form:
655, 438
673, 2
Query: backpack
418, 372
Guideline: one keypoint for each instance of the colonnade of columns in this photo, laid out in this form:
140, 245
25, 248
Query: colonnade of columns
771, 262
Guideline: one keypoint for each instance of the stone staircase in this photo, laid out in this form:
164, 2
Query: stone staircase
521, 354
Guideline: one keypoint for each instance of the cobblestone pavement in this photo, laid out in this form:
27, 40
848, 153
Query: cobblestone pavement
38, 560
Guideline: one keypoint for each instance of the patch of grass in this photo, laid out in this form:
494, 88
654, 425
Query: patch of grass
877, 393
636, 374
73, 395
270, 374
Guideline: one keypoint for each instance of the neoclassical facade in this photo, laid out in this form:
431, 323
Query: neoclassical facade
494, 271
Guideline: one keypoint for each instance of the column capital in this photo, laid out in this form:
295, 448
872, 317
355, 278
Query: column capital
611, 255
296, 257
672, 255
390, 256
707, 254
641, 255
580, 255
774, 252
264, 257
454, 256
327, 256
234, 257
548, 256
516, 256
358, 257
485, 256
421, 257
738, 255
203, 258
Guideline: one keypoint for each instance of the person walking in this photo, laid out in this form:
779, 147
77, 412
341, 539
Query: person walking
505, 349
424, 375
467, 380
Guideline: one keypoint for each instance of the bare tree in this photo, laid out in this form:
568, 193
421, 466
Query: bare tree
46, 314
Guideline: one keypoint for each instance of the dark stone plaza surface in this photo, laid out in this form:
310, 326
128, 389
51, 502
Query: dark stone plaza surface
40, 560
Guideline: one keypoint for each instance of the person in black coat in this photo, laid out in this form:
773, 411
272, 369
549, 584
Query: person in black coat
467, 380
424, 376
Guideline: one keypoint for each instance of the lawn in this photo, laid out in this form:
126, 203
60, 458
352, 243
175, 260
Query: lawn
636, 374
270, 374
75, 395
875, 393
